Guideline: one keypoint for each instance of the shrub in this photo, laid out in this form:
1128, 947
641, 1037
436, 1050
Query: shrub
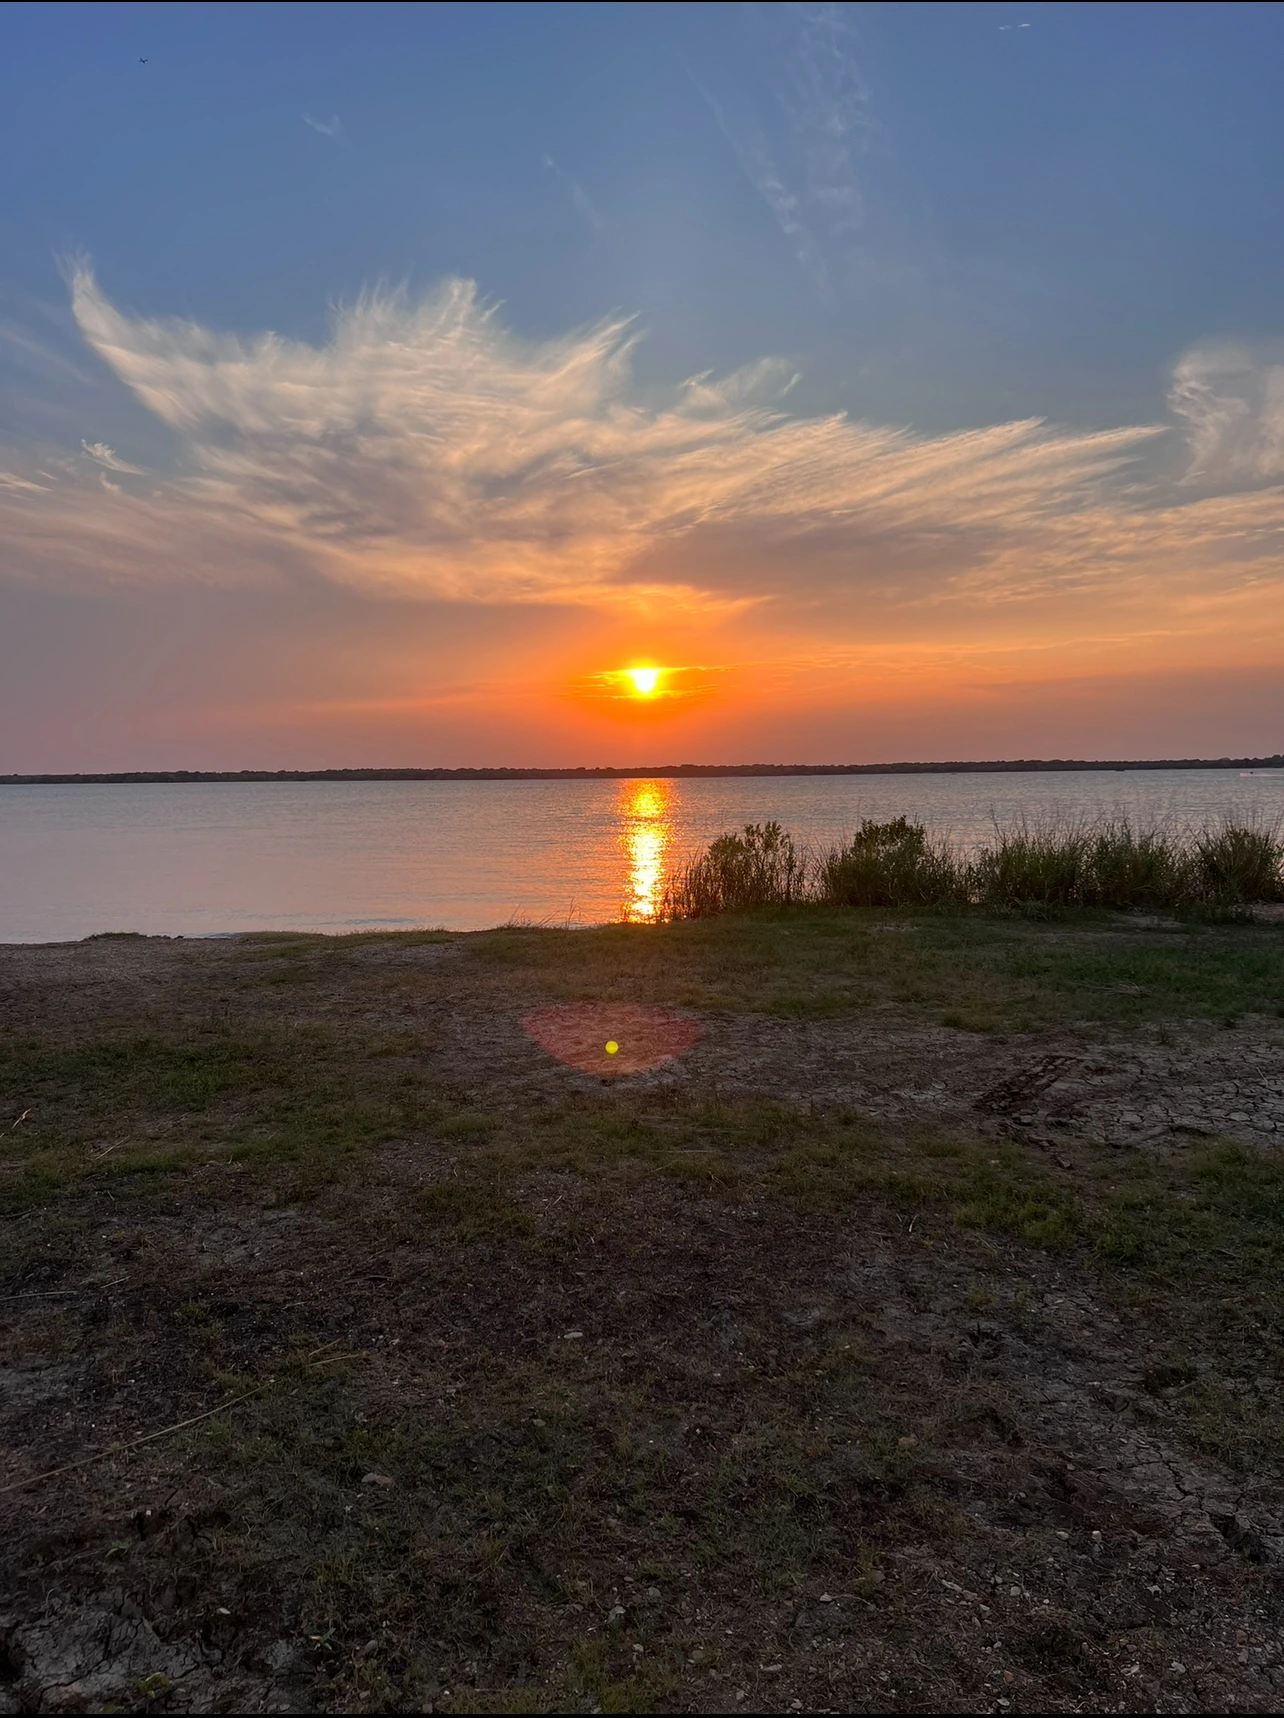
897, 864
890, 865
1136, 868
1027, 868
1239, 863
759, 868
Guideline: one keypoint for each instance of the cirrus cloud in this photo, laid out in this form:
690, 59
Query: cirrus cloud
424, 449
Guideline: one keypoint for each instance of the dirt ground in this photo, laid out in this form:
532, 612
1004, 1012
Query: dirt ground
793, 1373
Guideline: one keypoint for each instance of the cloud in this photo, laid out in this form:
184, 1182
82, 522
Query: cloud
426, 451
797, 135
327, 127
101, 454
1231, 396
579, 196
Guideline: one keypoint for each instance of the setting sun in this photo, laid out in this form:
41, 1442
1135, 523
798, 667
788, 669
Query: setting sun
645, 680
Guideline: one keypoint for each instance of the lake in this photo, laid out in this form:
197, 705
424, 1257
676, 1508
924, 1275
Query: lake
210, 858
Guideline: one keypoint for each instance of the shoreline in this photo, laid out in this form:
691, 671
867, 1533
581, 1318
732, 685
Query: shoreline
606, 772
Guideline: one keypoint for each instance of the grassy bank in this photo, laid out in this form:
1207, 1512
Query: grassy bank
730, 1387
1107, 864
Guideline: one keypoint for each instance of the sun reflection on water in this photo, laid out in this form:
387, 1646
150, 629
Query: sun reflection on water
646, 834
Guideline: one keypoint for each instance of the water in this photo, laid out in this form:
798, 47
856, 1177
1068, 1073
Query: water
199, 859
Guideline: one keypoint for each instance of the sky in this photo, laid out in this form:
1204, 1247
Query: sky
380, 383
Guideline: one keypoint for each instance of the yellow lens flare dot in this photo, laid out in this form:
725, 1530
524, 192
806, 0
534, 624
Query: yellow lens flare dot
612, 1048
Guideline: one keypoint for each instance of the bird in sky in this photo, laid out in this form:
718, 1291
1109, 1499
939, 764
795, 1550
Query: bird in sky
141, 60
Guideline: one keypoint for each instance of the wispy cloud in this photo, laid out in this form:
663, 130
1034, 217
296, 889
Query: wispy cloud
579, 196
798, 128
425, 450
1231, 396
327, 127
103, 455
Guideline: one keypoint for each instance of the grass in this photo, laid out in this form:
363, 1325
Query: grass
897, 864
641, 1363
759, 868
966, 969
104, 1111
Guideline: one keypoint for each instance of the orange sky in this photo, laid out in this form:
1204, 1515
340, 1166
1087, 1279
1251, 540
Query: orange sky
428, 542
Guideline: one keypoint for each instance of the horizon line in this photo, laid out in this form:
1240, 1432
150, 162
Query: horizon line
608, 772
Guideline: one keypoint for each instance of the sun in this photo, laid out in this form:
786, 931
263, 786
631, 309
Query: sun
645, 680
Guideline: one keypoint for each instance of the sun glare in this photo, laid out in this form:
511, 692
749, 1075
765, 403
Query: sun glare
645, 680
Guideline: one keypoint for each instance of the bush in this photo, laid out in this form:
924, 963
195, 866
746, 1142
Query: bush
1136, 868
897, 864
1084, 865
1238, 864
760, 868
1029, 868
890, 865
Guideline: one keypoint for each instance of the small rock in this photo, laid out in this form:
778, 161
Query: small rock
382, 1479
573, 1336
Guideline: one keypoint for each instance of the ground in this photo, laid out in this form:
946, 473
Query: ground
910, 1342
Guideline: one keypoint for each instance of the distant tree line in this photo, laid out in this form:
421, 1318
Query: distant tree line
608, 773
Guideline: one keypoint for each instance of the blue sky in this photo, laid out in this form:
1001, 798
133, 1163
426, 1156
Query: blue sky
936, 217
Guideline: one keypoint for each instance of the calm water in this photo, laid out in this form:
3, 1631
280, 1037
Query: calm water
201, 859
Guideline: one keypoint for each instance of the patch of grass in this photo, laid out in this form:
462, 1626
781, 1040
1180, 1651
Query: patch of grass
514, 1515
147, 1105
970, 970
1196, 1239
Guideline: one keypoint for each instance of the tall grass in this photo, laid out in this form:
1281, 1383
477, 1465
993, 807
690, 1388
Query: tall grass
759, 868
899, 864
